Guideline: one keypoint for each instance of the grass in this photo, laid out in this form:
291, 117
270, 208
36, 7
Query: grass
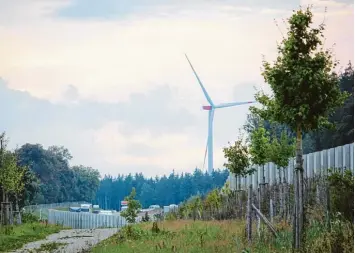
50, 247
223, 236
185, 236
14, 237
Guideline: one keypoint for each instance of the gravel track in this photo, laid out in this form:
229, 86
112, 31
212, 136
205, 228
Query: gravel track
73, 240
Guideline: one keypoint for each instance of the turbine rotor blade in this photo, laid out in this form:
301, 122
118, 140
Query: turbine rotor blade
202, 87
223, 105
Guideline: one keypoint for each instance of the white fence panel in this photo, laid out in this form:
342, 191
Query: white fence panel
316, 163
85, 220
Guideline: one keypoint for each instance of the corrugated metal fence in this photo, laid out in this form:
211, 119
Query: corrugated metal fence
42, 210
314, 164
85, 220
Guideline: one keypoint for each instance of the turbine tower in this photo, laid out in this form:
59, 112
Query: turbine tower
210, 108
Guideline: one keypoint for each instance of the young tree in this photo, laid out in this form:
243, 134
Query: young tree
237, 159
280, 151
213, 201
131, 213
259, 145
305, 92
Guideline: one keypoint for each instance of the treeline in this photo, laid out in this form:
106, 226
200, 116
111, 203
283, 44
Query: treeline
166, 190
341, 133
32, 174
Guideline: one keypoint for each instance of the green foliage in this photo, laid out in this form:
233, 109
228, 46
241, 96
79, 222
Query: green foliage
280, 150
171, 216
259, 146
155, 229
50, 179
50, 246
214, 236
305, 87
152, 191
214, 200
145, 217
237, 158
341, 188
19, 235
28, 217
338, 239
343, 119
131, 213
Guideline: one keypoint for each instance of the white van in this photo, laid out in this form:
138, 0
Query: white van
85, 208
105, 212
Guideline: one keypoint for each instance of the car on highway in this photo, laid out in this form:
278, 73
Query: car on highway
106, 212
154, 207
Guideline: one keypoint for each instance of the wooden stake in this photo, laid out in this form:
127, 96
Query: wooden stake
249, 214
265, 220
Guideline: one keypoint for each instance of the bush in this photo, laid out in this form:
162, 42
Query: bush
338, 239
341, 189
132, 232
145, 217
171, 216
28, 217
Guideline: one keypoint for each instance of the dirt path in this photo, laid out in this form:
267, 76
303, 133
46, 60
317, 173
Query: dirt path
69, 241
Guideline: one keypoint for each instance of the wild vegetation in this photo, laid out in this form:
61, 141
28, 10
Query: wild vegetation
15, 236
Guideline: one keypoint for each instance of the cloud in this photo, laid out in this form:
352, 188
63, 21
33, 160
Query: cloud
111, 9
112, 83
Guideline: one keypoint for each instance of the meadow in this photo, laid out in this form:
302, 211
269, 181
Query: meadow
224, 236
15, 236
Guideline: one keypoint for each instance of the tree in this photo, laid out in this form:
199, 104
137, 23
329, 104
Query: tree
237, 159
133, 206
305, 92
11, 178
259, 145
213, 201
87, 180
280, 151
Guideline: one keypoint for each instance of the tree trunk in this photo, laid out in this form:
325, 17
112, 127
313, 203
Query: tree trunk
237, 189
285, 196
258, 218
249, 214
7, 210
17, 208
299, 193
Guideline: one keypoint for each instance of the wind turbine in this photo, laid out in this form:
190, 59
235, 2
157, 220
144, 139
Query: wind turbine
210, 108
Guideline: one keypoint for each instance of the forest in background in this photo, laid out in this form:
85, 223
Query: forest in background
49, 178
165, 190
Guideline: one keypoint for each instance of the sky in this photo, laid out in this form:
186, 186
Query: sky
109, 80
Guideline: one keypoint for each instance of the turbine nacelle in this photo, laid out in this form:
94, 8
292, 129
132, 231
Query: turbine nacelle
207, 107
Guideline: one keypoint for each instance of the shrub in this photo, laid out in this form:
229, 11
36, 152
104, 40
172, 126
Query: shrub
28, 217
341, 189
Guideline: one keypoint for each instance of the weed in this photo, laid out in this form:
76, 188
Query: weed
50, 247
14, 237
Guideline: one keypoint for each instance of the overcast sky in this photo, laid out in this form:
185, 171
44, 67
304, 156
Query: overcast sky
108, 79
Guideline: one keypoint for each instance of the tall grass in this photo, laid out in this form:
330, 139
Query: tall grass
14, 237
225, 236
